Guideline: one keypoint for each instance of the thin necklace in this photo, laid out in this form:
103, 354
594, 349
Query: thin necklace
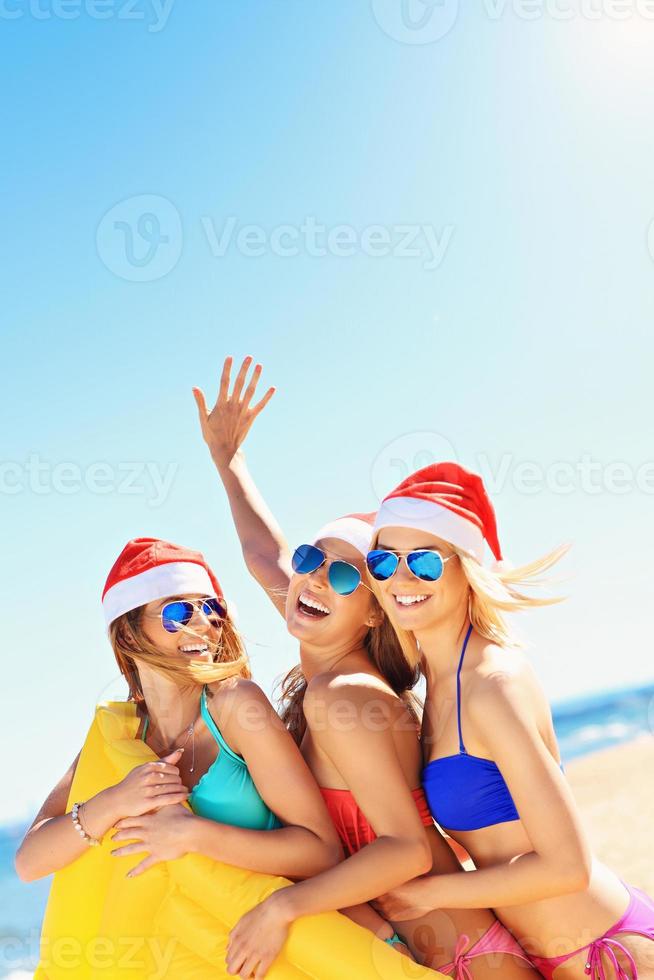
190, 733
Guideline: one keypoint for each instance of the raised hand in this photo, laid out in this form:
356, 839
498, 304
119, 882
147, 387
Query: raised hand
227, 424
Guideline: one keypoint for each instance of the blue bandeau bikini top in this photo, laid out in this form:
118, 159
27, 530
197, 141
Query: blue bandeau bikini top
466, 792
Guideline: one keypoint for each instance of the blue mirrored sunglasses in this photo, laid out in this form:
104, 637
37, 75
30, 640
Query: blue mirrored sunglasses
343, 577
426, 564
179, 613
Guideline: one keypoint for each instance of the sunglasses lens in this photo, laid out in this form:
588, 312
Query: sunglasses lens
343, 577
426, 565
213, 607
307, 559
174, 615
382, 564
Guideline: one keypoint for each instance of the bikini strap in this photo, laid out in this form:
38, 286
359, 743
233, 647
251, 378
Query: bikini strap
215, 731
145, 728
462, 748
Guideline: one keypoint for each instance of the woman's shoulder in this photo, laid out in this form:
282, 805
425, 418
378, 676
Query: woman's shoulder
349, 703
240, 708
503, 678
332, 685
235, 694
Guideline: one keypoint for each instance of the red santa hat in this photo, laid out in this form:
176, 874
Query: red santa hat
448, 501
355, 529
148, 569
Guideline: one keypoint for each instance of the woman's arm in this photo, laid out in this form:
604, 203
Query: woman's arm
224, 429
52, 842
560, 860
307, 843
366, 758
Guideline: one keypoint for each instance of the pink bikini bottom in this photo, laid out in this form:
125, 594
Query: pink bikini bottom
638, 920
495, 940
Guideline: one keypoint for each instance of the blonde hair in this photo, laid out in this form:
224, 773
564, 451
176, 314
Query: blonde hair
492, 592
132, 647
383, 646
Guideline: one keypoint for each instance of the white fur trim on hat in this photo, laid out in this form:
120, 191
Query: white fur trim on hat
172, 578
353, 530
426, 515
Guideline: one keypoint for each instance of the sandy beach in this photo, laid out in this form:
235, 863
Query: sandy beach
615, 791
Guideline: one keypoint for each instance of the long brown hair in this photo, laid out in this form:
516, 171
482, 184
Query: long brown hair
385, 652
131, 647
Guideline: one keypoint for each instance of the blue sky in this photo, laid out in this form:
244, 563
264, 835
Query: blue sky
435, 244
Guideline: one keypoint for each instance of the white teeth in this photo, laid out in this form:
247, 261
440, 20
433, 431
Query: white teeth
195, 648
409, 600
313, 603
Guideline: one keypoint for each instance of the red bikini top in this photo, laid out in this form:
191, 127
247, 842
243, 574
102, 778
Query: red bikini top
352, 827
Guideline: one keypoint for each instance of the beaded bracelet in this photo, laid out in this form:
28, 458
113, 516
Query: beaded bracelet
91, 841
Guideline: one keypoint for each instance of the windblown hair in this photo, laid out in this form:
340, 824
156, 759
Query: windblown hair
491, 594
386, 654
132, 647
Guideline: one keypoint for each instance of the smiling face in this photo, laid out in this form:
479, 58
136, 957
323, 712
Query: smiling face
416, 605
198, 640
316, 614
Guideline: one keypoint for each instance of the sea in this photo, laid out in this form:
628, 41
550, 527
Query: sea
583, 725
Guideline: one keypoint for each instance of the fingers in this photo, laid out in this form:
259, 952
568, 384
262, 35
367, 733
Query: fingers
240, 378
262, 969
132, 834
259, 407
225, 378
136, 848
248, 969
156, 779
170, 799
173, 757
130, 823
161, 766
240, 962
200, 401
143, 866
252, 387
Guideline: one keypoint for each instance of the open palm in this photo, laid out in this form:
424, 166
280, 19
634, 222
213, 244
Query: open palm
227, 424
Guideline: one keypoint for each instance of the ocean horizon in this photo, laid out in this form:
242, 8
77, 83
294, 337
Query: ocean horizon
584, 725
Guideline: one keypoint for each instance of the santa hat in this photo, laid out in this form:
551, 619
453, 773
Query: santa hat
355, 529
448, 501
148, 569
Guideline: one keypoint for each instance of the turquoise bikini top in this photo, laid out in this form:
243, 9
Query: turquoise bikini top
227, 793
